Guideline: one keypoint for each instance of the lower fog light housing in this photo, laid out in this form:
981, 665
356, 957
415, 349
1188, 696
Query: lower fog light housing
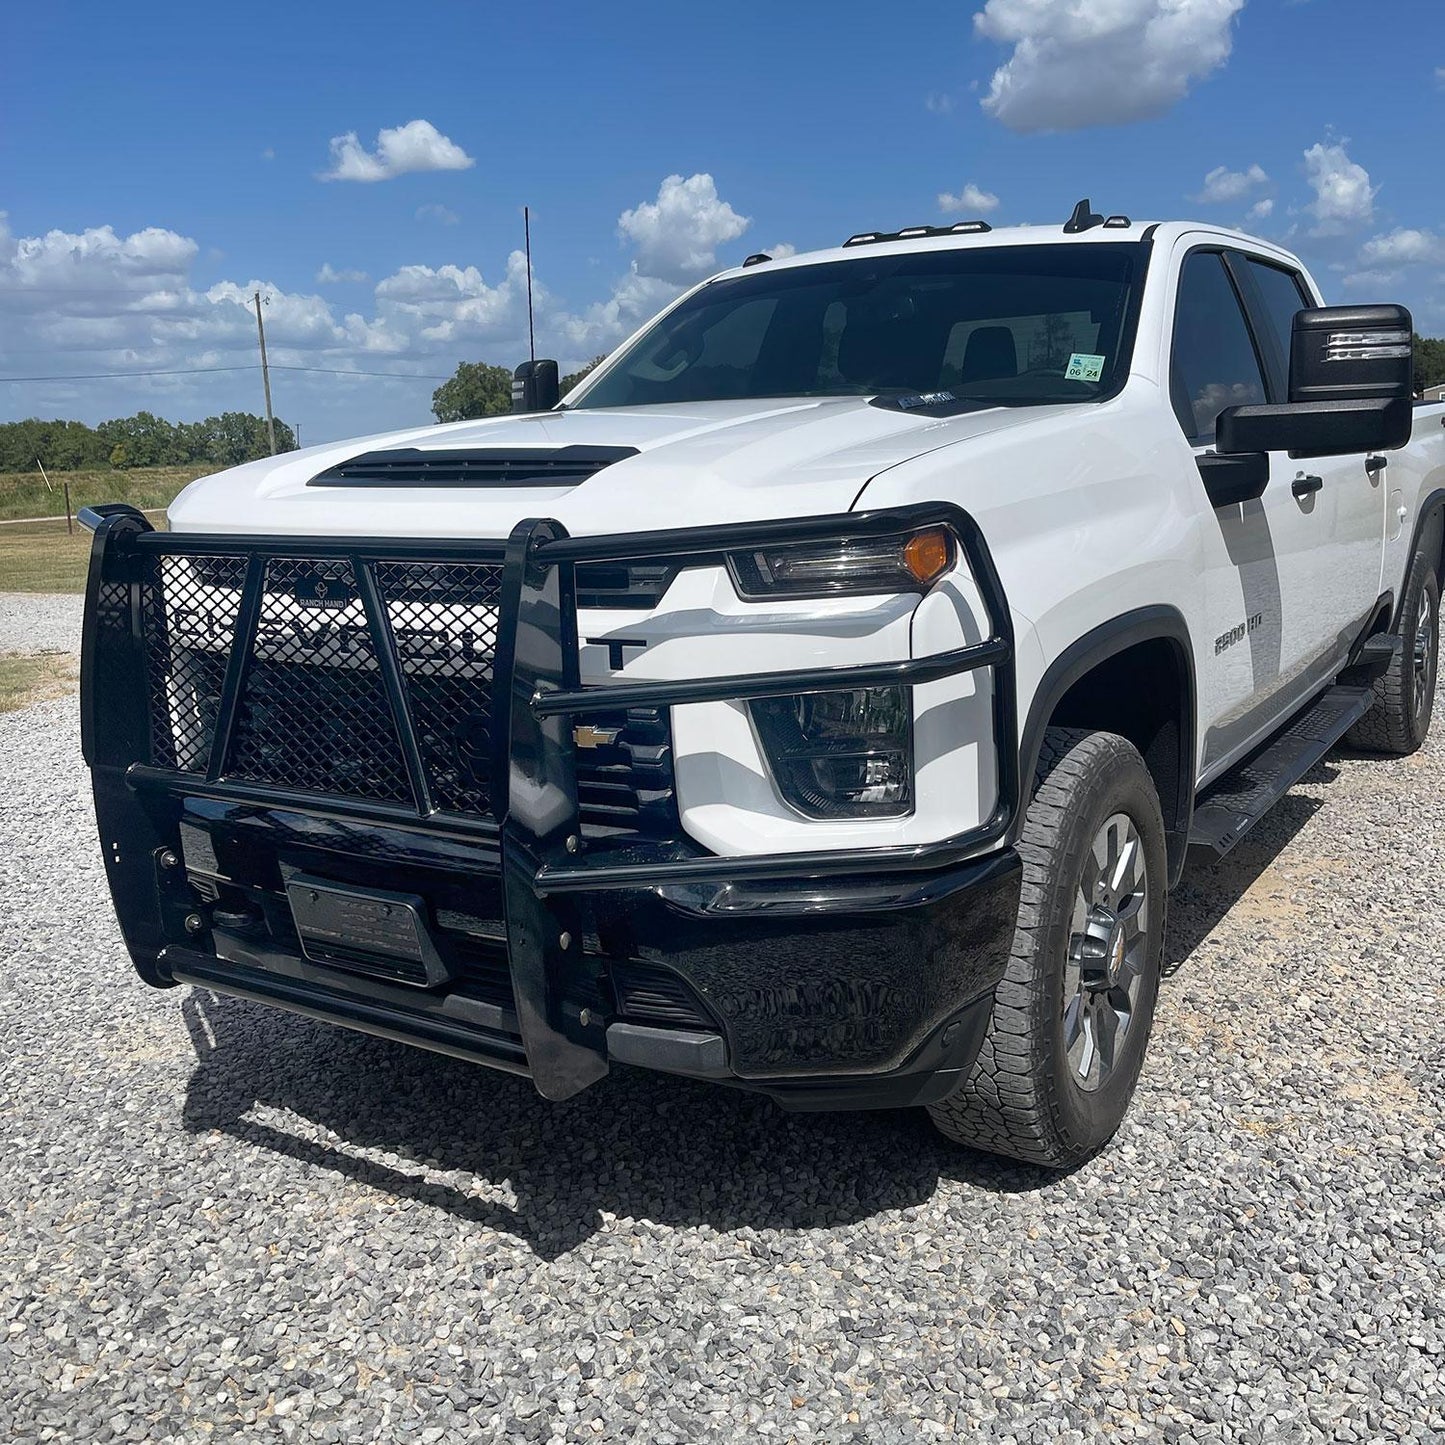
841, 754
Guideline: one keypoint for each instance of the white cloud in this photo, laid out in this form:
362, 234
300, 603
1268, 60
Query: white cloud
972, 199
102, 301
268, 154
1222, 184
1377, 281
1077, 64
442, 215
1260, 210
936, 102
416, 146
781, 251
678, 234
449, 304
328, 275
1344, 198
1404, 247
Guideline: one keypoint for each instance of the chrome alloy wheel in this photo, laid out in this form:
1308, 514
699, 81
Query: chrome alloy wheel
1108, 946
1424, 654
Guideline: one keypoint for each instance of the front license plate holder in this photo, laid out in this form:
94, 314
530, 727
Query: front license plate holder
365, 930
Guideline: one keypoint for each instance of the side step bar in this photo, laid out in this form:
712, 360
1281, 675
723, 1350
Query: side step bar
1234, 804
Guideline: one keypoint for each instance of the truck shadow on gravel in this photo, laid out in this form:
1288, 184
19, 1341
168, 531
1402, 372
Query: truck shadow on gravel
485, 1148
1209, 891
428, 1130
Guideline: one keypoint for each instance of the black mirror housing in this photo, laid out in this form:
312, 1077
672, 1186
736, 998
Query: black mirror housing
1315, 428
535, 386
1351, 353
1350, 375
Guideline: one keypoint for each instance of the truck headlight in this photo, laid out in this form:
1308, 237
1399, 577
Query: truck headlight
843, 754
911, 562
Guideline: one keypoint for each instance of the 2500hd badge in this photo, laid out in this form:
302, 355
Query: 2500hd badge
1238, 634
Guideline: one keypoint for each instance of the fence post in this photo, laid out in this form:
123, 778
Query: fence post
69, 521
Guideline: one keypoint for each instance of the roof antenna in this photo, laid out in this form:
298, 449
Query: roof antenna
531, 333
1085, 218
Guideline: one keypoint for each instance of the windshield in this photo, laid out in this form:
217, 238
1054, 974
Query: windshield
1006, 325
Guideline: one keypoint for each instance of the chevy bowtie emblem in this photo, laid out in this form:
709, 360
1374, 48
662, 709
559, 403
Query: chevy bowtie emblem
587, 736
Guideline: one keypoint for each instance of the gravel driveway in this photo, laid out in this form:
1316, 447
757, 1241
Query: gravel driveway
219, 1220
40, 622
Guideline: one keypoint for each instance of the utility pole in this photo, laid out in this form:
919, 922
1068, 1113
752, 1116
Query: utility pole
531, 334
265, 377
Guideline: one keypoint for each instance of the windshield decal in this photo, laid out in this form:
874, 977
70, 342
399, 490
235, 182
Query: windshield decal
1083, 367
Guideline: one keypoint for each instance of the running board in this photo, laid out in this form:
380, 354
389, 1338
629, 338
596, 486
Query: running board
1234, 804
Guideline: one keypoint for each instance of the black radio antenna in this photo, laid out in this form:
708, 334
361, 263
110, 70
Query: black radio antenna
527, 235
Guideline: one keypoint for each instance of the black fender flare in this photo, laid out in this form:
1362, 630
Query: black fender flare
1430, 518
1155, 623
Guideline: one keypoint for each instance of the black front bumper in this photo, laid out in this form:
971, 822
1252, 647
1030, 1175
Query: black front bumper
827, 980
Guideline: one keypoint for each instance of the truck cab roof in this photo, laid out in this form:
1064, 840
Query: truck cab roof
1162, 233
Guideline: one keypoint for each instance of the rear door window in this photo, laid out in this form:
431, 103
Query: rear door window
1282, 293
1214, 364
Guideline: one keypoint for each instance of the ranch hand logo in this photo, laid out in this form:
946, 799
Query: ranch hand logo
316, 590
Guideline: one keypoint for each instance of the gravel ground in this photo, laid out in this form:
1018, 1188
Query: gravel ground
40, 622
219, 1220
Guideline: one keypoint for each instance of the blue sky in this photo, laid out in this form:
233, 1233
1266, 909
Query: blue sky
158, 163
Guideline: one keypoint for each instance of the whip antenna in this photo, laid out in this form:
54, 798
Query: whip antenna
531, 333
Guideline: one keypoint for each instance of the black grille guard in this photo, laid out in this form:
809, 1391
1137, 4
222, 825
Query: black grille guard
536, 692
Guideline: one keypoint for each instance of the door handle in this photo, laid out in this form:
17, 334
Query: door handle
1306, 486
1375, 464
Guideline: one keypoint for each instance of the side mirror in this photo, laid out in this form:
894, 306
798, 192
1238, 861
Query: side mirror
1350, 375
535, 386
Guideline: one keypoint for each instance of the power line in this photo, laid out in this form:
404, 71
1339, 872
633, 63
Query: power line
209, 370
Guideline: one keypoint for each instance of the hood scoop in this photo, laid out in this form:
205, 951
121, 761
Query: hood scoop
473, 467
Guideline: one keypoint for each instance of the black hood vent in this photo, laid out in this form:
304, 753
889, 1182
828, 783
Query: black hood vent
473, 467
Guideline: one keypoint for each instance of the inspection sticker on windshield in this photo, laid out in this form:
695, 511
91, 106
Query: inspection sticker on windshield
1084, 368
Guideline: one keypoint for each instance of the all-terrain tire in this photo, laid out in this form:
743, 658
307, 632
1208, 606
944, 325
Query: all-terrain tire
1023, 1097
1405, 695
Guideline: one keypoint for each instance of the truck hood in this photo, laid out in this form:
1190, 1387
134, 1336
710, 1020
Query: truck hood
694, 465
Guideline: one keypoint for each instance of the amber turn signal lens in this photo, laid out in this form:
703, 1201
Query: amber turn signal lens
928, 555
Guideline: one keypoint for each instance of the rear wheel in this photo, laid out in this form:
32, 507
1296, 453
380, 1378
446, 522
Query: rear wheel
1405, 695
1072, 1016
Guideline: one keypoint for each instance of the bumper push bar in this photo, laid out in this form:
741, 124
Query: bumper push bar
547, 868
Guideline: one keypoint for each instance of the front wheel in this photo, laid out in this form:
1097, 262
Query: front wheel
1072, 1016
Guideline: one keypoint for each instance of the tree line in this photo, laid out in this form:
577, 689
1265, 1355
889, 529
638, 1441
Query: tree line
1429, 361
478, 389
142, 440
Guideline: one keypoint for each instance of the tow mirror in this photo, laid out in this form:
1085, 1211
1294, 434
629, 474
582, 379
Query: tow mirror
1350, 373
535, 386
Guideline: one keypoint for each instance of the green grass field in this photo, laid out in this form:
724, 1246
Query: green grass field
41, 556
24, 494
34, 678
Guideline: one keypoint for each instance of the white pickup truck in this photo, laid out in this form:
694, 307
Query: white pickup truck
822, 700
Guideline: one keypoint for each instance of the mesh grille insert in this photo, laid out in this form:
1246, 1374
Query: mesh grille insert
313, 713
443, 621
189, 615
